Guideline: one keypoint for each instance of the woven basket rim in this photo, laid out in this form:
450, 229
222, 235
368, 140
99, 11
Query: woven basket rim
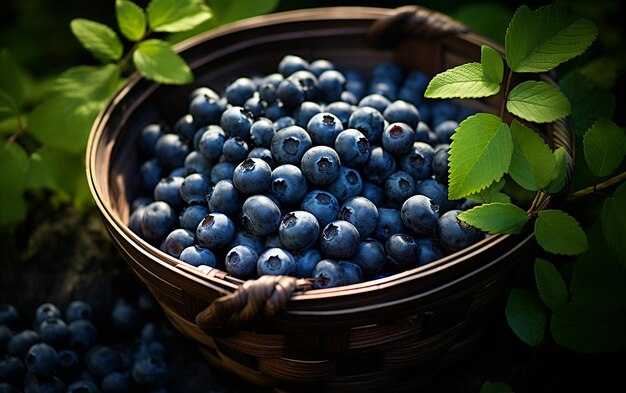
228, 284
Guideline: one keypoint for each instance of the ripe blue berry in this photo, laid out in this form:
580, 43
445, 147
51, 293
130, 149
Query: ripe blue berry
389, 223
379, 166
320, 165
353, 148
211, 142
288, 184
236, 121
158, 221
328, 274
402, 112
354, 274
398, 187
322, 204
260, 216
252, 176
347, 185
241, 261
194, 188
238, 92
339, 240
398, 138
324, 128
262, 131
306, 261
214, 231
420, 214
191, 217
454, 234
370, 256
289, 145
41, 360
224, 198
298, 230
402, 250
177, 241
196, 256
361, 213
276, 261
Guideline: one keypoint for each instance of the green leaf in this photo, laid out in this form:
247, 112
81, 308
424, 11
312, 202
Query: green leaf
98, 38
496, 218
538, 102
480, 153
589, 102
131, 19
526, 315
602, 72
176, 15
537, 41
495, 387
13, 166
560, 171
552, 288
494, 26
491, 194
12, 79
7, 103
64, 119
464, 81
605, 147
614, 224
583, 330
533, 163
156, 60
493, 66
559, 233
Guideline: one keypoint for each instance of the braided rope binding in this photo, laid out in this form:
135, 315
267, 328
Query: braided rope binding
412, 21
253, 301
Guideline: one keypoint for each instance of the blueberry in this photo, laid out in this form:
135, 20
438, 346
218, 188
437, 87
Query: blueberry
418, 81
203, 90
101, 360
253, 242
298, 230
141, 201
402, 250
435, 191
241, 262
284, 122
369, 121
320, 165
288, 184
178, 172
339, 240
83, 386
445, 130
398, 138
331, 85
69, 363
148, 138
454, 234
389, 223
54, 332
192, 215
252, 176
305, 112
184, 127
150, 174
349, 98
352, 147
347, 185
83, 335
151, 331
11, 369
423, 133
177, 241
290, 93
354, 274
375, 101
379, 166
260, 216
45, 311
429, 250
264, 154
214, 231
319, 66
361, 213
275, 111
116, 382
205, 109
443, 110
418, 161
398, 187
134, 221
370, 256
267, 89
236, 121
224, 198
357, 88
289, 145
290, 64
322, 204
170, 151
272, 241
211, 142
343, 110
374, 193
18, 344
420, 214
306, 261
262, 131
439, 164
328, 274
125, 317
235, 149
238, 92
308, 82
324, 128
5, 337
275, 262
388, 70
194, 188
8, 315
196, 256
222, 171
195, 162
150, 371
41, 360
402, 112
158, 221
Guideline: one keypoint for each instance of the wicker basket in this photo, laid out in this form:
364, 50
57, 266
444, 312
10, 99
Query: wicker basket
387, 334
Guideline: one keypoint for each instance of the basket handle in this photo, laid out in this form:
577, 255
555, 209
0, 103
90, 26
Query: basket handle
253, 301
413, 21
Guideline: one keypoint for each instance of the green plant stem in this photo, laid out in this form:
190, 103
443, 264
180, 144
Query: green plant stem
21, 129
507, 86
124, 60
597, 187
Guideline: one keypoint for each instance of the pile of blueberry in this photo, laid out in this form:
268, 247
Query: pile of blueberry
66, 353
311, 172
